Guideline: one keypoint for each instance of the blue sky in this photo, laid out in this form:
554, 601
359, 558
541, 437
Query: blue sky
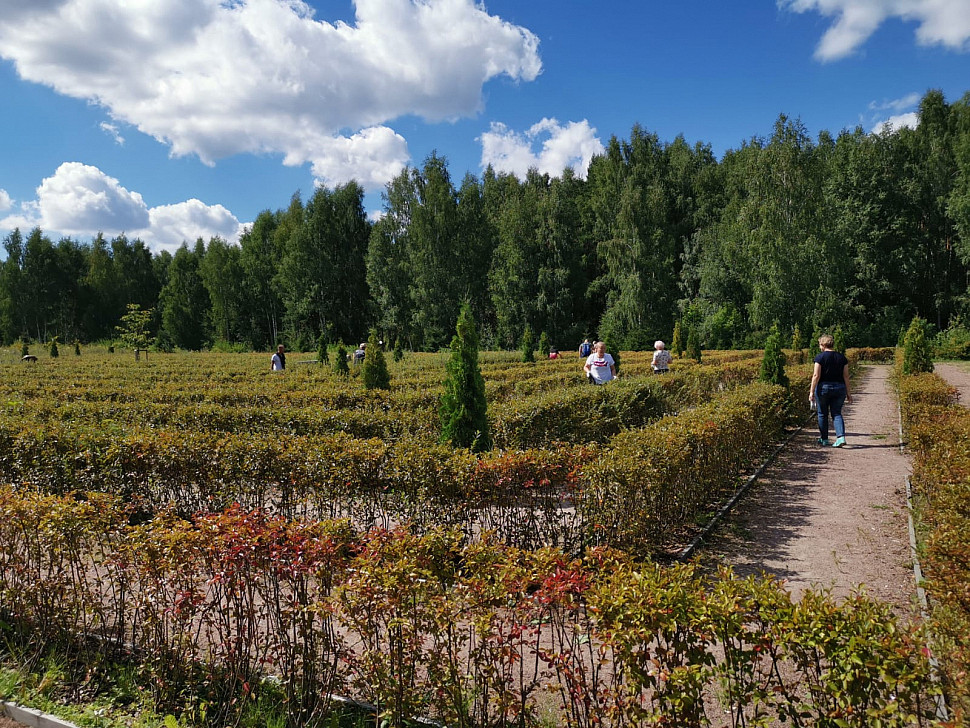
184, 118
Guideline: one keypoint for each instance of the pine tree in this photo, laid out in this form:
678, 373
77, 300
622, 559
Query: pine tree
323, 352
53, 348
374, 369
528, 345
773, 363
464, 415
398, 350
916, 348
340, 361
77, 348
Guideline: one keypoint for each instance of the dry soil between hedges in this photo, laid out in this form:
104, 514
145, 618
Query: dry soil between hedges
828, 517
957, 375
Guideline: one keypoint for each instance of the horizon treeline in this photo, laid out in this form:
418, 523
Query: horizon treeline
861, 231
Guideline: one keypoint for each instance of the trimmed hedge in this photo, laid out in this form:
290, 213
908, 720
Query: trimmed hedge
472, 635
938, 433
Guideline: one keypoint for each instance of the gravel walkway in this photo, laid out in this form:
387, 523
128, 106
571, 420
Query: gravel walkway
827, 517
957, 375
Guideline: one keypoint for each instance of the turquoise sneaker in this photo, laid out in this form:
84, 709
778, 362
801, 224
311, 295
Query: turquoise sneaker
823, 443
839, 442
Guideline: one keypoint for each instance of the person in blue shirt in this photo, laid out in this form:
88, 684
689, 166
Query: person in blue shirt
830, 390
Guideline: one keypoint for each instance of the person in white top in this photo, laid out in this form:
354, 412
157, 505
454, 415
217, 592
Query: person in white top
661, 358
278, 362
600, 366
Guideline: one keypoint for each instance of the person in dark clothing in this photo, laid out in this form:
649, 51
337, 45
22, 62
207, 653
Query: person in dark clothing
830, 390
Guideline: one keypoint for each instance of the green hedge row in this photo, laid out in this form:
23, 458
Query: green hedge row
205, 611
938, 434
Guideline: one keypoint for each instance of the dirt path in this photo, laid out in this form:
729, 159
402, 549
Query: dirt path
957, 375
834, 518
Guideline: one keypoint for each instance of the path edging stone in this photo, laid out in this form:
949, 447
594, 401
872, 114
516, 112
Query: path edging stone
31, 716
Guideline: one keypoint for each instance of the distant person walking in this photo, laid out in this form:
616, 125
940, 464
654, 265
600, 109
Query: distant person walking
553, 352
278, 362
830, 390
585, 349
661, 358
600, 367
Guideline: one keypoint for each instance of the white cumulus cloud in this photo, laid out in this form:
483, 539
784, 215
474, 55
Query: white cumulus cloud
902, 113
171, 225
80, 201
938, 22
79, 198
215, 78
547, 146
897, 121
5, 201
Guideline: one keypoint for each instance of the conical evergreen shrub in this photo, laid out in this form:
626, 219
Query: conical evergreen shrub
464, 412
773, 363
374, 369
917, 356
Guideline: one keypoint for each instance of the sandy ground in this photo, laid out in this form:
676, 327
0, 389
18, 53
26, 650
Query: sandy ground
957, 375
828, 517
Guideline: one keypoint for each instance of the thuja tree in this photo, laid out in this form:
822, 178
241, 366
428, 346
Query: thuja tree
528, 345
340, 361
677, 340
916, 348
374, 370
544, 345
693, 344
464, 416
773, 363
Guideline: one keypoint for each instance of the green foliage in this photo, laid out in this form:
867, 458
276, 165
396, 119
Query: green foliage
52, 348
814, 348
527, 345
463, 409
797, 338
340, 365
432, 623
77, 348
773, 363
374, 369
398, 350
24, 348
544, 345
953, 342
839, 338
693, 350
677, 340
937, 429
323, 349
134, 330
917, 355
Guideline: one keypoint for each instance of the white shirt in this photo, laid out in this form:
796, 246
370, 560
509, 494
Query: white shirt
277, 364
601, 367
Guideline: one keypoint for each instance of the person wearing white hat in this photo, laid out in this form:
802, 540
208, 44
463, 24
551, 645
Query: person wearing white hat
661, 358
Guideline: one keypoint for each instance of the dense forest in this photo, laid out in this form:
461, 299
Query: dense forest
861, 231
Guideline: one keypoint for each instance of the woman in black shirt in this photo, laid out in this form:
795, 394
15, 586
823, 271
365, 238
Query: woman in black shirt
830, 389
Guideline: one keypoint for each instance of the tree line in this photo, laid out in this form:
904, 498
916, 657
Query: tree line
860, 230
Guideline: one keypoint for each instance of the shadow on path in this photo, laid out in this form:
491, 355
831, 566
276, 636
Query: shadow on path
830, 517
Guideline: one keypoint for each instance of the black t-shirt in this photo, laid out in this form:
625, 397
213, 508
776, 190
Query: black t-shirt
833, 363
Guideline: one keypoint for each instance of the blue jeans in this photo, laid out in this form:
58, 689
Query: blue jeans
830, 396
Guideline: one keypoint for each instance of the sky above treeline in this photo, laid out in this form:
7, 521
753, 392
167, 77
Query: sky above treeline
170, 121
